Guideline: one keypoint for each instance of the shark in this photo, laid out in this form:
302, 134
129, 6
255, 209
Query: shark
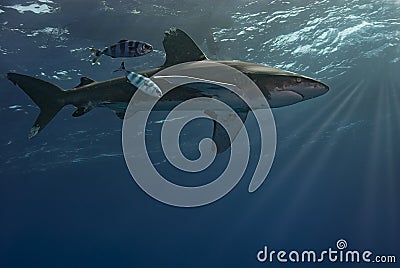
279, 87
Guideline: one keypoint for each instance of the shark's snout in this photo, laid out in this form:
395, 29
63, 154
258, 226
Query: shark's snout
309, 88
284, 88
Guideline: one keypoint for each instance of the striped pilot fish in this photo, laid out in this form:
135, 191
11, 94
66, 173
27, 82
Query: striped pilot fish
123, 49
144, 84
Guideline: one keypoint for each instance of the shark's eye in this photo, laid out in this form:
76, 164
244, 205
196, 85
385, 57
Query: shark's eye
298, 79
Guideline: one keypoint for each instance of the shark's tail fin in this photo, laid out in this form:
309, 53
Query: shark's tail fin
49, 98
97, 53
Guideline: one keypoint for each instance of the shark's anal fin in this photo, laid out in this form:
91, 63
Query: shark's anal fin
179, 48
82, 110
85, 81
220, 135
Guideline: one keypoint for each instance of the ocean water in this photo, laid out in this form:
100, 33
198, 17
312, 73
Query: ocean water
67, 198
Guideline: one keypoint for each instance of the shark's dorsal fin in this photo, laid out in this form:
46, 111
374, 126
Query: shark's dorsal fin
122, 40
85, 81
179, 48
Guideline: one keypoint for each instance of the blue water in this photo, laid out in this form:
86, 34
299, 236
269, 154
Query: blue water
67, 198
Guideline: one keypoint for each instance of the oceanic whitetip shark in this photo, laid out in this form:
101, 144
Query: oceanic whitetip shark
280, 88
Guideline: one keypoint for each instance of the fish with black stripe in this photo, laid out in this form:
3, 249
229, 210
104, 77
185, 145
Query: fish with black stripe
141, 82
123, 49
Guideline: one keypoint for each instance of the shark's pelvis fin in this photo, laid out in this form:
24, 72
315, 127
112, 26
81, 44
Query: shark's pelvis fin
179, 48
49, 98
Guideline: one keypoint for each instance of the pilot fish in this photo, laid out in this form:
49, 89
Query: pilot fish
144, 84
123, 49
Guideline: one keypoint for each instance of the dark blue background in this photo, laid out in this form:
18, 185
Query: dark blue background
68, 200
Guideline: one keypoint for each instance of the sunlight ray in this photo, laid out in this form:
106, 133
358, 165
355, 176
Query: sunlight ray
341, 109
305, 150
323, 111
392, 100
317, 117
370, 189
325, 152
337, 96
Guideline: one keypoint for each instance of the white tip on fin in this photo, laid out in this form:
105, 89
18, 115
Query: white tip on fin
34, 131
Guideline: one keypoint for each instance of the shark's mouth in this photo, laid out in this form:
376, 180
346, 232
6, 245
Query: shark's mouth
298, 93
284, 98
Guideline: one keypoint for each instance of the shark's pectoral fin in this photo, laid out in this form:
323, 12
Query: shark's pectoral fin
230, 121
179, 48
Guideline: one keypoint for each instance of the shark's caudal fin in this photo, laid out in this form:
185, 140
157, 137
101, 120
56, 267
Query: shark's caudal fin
47, 96
179, 48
